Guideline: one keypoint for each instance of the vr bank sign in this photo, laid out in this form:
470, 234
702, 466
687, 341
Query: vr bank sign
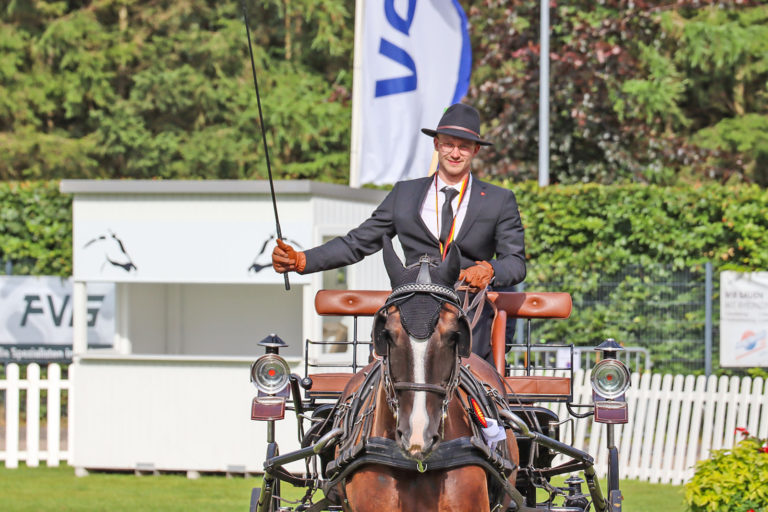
36, 318
744, 319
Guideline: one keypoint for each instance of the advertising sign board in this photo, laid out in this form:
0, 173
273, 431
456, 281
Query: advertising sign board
36, 318
743, 319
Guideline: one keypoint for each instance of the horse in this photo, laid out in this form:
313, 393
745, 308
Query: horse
418, 412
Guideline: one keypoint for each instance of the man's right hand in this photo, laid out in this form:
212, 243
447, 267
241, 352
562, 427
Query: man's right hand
286, 259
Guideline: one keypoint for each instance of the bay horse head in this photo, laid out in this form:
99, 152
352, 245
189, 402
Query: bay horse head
421, 333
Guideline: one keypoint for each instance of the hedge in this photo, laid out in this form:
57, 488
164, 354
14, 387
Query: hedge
633, 256
36, 228
628, 254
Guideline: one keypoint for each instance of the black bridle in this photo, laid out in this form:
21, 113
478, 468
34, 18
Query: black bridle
400, 295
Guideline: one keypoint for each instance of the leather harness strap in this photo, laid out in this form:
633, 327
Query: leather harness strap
358, 447
465, 451
420, 386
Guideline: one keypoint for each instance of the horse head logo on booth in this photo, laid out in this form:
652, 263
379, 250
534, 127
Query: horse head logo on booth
114, 251
421, 333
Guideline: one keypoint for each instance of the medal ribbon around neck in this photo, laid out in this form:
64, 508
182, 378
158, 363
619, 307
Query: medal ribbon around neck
462, 190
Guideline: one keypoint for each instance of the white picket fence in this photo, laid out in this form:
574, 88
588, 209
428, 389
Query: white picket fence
675, 421
12, 386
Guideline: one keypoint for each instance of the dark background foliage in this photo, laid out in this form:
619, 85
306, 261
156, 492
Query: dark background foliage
137, 89
641, 91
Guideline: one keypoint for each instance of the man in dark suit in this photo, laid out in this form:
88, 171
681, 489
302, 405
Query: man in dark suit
428, 214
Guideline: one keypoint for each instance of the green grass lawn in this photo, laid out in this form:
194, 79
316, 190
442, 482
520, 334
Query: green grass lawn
46, 489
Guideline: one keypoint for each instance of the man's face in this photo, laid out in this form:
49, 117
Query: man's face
455, 156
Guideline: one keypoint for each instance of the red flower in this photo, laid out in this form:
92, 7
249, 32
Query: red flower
764, 448
743, 432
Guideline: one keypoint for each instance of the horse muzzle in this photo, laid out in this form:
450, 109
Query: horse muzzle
417, 436
417, 450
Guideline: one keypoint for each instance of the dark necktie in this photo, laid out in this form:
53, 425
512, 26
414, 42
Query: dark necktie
447, 214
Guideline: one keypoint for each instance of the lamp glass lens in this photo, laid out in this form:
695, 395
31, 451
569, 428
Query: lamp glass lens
270, 373
610, 378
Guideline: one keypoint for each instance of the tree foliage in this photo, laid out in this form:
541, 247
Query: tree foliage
137, 89
641, 91
645, 91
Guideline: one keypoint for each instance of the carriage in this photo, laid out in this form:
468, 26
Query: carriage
337, 418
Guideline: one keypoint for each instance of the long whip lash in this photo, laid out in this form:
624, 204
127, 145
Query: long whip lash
263, 134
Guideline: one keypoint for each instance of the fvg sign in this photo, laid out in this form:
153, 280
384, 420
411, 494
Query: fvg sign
36, 318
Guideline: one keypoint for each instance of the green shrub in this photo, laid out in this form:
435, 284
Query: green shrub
731, 480
35, 228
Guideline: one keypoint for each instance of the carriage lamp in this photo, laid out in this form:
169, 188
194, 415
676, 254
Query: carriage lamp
610, 381
270, 374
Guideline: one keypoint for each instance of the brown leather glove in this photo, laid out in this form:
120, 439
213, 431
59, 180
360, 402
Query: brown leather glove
286, 259
478, 276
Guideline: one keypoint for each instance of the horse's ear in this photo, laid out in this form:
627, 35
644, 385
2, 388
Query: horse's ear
392, 263
464, 343
378, 334
450, 268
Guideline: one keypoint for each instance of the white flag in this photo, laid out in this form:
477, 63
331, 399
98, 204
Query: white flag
416, 61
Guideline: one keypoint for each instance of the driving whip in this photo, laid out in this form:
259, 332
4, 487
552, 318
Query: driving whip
263, 134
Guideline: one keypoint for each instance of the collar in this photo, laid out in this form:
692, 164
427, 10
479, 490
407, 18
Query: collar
441, 183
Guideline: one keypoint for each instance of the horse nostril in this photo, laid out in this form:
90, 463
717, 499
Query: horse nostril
398, 435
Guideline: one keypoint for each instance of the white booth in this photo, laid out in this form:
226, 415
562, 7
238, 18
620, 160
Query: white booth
195, 293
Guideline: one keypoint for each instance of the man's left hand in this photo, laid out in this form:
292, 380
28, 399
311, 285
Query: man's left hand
478, 276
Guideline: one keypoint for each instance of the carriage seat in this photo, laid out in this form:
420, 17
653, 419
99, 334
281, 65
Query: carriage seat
528, 305
342, 303
524, 305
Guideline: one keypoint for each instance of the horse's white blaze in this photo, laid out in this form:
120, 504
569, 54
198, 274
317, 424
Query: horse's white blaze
419, 418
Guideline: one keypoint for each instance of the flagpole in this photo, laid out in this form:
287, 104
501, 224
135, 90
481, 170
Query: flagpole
357, 97
433, 164
544, 96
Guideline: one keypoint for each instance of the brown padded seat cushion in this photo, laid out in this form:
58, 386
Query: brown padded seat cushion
526, 386
533, 304
350, 302
539, 385
329, 382
516, 304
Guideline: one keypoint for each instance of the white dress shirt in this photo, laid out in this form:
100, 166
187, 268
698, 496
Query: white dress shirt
432, 218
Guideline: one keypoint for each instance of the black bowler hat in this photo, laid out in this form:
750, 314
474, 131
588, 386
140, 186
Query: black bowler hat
461, 121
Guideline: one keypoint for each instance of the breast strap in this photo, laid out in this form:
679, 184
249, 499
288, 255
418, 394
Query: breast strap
358, 448
453, 454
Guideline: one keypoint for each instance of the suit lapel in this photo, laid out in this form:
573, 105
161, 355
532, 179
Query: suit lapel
476, 197
420, 194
